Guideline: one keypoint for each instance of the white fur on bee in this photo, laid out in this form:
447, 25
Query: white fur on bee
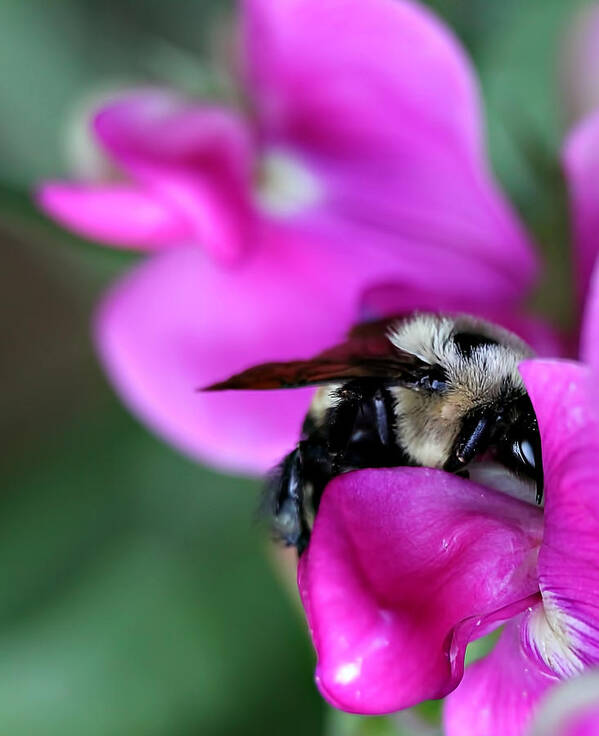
427, 425
324, 398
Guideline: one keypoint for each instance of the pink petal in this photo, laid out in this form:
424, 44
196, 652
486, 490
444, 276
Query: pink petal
499, 693
589, 338
404, 567
180, 322
117, 214
165, 208
390, 299
197, 159
216, 217
581, 163
336, 71
158, 126
567, 639
586, 724
381, 101
435, 279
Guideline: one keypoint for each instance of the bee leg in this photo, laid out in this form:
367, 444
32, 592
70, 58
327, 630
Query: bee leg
358, 433
342, 416
291, 489
283, 500
473, 439
364, 412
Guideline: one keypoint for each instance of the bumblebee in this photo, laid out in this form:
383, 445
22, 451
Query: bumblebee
423, 390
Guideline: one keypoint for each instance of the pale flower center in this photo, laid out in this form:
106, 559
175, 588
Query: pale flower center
550, 634
285, 186
495, 475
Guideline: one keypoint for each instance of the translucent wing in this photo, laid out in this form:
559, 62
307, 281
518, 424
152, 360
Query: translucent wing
367, 353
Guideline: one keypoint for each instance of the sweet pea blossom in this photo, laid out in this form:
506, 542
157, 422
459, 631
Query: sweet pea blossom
356, 162
406, 566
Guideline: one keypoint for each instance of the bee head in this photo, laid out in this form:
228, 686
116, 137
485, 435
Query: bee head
463, 389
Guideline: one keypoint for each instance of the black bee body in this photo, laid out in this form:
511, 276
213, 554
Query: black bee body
357, 431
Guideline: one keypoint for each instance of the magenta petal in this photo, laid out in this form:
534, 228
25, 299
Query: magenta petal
180, 322
390, 299
400, 561
581, 163
162, 127
197, 159
499, 693
562, 395
338, 71
117, 214
382, 102
589, 339
216, 217
586, 724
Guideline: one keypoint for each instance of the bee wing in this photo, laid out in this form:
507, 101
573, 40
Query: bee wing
369, 355
303, 373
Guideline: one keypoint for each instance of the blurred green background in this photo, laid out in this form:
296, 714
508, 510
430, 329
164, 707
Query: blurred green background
136, 595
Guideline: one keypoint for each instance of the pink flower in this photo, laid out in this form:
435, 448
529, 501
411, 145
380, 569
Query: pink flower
581, 164
357, 166
406, 566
